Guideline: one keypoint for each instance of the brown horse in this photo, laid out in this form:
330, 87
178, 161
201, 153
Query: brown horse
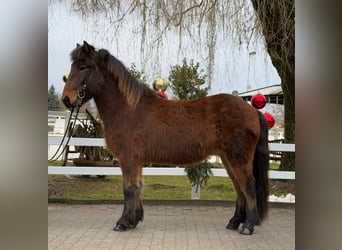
141, 127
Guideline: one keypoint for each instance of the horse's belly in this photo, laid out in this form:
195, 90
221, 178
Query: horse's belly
179, 156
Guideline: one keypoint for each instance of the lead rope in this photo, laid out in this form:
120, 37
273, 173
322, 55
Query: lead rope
66, 134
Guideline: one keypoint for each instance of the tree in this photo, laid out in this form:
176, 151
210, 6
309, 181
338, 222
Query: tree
54, 102
186, 81
277, 20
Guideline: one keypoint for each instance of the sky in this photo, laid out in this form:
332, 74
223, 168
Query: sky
234, 68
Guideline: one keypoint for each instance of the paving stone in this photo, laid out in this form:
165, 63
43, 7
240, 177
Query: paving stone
165, 226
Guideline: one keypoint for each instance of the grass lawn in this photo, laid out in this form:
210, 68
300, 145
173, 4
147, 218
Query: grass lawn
155, 188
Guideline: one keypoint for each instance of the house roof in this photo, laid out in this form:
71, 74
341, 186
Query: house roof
273, 94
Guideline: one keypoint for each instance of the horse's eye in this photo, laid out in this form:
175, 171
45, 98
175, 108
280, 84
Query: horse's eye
84, 67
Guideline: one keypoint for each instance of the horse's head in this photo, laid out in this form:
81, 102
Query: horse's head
84, 77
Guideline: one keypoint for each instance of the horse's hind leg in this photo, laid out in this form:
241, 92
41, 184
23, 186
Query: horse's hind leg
247, 185
240, 211
133, 211
240, 205
246, 208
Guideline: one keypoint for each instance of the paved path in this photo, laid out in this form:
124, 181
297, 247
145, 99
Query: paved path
165, 227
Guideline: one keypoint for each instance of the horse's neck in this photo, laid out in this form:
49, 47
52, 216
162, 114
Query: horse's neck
108, 102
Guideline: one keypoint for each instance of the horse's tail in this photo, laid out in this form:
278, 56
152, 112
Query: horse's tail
260, 168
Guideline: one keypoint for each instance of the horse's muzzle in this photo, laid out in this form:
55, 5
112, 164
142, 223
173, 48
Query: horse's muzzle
66, 102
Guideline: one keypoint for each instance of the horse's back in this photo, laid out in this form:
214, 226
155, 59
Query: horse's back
236, 110
230, 112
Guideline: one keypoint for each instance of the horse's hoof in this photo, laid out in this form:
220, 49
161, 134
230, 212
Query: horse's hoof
246, 231
232, 226
120, 228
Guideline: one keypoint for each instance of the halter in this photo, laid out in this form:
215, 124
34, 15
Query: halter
81, 91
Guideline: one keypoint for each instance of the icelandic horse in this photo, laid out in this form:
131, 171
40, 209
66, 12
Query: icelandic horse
141, 127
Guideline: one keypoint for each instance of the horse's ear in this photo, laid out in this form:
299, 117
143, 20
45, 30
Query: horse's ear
104, 55
78, 45
87, 47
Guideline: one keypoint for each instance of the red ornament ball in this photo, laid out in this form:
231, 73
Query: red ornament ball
270, 120
258, 101
162, 94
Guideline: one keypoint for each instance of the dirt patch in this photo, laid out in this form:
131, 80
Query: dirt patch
57, 188
161, 186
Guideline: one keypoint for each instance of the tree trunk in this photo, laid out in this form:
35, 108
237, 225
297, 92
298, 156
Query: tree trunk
276, 18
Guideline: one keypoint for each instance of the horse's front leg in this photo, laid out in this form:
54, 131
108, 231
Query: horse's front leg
133, 211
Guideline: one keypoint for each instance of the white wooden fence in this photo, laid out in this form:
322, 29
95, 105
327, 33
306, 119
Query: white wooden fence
175, 171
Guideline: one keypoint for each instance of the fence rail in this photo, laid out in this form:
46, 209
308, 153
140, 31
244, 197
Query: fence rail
174, 171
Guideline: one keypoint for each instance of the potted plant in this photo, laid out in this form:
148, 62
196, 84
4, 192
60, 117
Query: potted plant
198, 174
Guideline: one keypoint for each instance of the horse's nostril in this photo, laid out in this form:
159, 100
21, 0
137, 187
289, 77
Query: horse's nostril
66, 102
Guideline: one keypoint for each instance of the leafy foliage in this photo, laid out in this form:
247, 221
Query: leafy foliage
91, 128
199, 173
139, 75
186, 81
54, 101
